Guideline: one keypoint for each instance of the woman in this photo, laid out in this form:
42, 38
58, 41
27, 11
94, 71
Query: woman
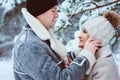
102, 28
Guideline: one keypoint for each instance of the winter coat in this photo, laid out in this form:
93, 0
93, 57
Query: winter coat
36, 55
35, 60
104, 67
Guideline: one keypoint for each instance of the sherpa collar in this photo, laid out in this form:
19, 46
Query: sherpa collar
45, 34
101, 53
104, 52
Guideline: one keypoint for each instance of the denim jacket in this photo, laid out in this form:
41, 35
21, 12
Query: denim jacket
33, 59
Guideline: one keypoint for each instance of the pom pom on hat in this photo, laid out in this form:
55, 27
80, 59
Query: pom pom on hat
37, 7
113, 18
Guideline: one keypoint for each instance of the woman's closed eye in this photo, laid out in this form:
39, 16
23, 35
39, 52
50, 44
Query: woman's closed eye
84, 30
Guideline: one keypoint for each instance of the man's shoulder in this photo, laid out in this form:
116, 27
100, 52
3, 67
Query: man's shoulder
28, 37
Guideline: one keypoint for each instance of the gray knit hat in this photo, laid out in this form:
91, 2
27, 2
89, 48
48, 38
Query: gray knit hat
102, 27
37, 7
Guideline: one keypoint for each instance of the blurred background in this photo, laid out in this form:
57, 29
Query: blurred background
72, 14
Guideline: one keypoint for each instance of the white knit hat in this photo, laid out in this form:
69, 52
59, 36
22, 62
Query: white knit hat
100, 28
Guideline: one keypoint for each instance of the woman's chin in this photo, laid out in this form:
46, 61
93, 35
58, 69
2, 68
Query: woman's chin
80, 46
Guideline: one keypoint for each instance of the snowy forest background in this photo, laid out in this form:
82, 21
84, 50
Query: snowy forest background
72, 14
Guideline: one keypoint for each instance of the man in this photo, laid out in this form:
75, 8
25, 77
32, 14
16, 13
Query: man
37, 55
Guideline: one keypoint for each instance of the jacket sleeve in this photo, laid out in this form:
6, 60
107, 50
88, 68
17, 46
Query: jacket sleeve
85, 53
105, 69
39, 65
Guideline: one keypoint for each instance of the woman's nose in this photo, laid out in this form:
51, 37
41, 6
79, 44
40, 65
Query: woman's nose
79, 36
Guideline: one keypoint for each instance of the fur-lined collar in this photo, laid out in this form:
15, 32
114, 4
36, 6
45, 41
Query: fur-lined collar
103, 52
45, 34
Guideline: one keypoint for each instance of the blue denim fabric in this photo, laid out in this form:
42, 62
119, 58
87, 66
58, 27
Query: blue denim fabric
33, 59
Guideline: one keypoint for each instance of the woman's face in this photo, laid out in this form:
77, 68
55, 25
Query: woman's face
83, 38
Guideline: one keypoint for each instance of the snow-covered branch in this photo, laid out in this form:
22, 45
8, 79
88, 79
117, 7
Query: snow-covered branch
96, 7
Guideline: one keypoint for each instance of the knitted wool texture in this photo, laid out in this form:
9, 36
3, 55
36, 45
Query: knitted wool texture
100, 28
37, 7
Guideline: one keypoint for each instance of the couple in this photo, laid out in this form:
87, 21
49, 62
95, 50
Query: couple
37, 55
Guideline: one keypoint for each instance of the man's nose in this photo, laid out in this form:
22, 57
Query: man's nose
56, 15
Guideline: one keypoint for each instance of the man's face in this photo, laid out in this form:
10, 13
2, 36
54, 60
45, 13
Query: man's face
49, 17
83, 38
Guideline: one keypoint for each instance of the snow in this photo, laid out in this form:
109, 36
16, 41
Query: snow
1, 1
73, 44
19, 1
6, 71
62, 19
116, 54
8, 4
117, 60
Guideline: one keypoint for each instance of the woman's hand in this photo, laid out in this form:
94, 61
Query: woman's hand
92, 45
